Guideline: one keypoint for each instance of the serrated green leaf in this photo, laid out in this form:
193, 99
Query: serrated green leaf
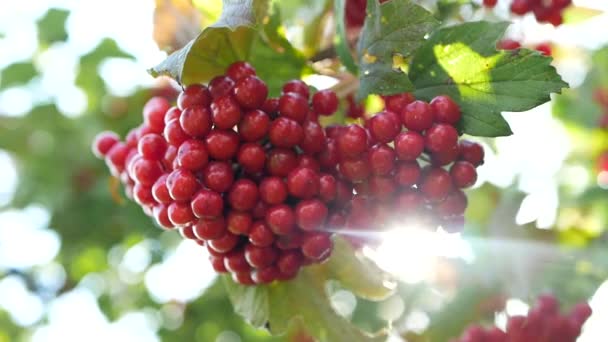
17, 74
394, 27
340, 40
229, 39
51, 27
309, 305
462, 62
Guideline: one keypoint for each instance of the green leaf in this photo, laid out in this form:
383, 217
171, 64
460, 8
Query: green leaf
304, 300
396, 27
229, 39
462, 62
576, 14
340, 40
51, 27
17, 74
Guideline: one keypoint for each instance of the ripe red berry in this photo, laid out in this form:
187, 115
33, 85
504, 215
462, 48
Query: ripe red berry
238, 222
243, 278
285, 132
409, 145
174, 134
293, 106
209, 228
116, 157
225, 112
220, 86
352, 141
490, 3
207, 204
384, 127
265, 275
280, 219
436, 184
445, 157
463, 174
103, 142
454, 205
441, 138
194, 95
250, 92
382, 187
180, 213
445, 109
281, 161
314, 138
260, 257
273, 190
471, 152
196, 121
303, 183
222, 144
298, 87
397, 103
160, 192
508, 44
146, 172
289, 262
152, 146
218, 176
417, 116
271, 106
381, 159
260, 234
407, 173
328, 187
309, 162
240, 69
328, 157
325, 102
172, 113
311, 214
520, 7
192, 155
254, 125
217, 262
243, 195
182, 184
154, 113
143, 196
317, 246
236, 262
355, 169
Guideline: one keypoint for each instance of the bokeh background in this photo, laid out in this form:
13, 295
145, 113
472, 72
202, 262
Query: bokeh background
79, 262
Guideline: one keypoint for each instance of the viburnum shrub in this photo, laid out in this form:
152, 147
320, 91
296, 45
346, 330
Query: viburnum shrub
263, 185
545, 11
544, 323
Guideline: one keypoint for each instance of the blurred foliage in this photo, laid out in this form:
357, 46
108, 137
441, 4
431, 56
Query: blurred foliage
57, 171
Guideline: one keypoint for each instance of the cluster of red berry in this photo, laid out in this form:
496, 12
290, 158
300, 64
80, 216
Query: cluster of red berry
544, 323
266, 197
545, 11
511, 44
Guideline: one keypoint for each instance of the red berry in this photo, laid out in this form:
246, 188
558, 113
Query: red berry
328, 187
328, 158
152, 146
103, 142
280, 219
520, 7
544, 48
409, 201
116, 157
445, 157
240, 69
441, 138
381, 159
260, 234
254, 125
265, 275
260, 257
220, 86
417, 116
317, 246
309, 162
407, 173
239, 223
180, 213
352, 141
355, 169
160, 191
303, 183
210, 228
154, 113
471, 152
271, 106
251, 157
182, 184
281, 161
384, 127
273, 190
289, 263
172, 113
207, 204
236, 262
325, 102
298, 87
143, 195
397, 103
243, 195
225, 112
218, 176
194, 95
409, 145
445, 109
217, 262
250, 92
243, 278
174, 134
161, 216
293, 106
146, 172
188, 233
436, 184
225, 243
222, 144
382, 187
196, 121
311, 214
490, 3
454, 205
314, 138
508, 44
285, 132
192, 155
463, 174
